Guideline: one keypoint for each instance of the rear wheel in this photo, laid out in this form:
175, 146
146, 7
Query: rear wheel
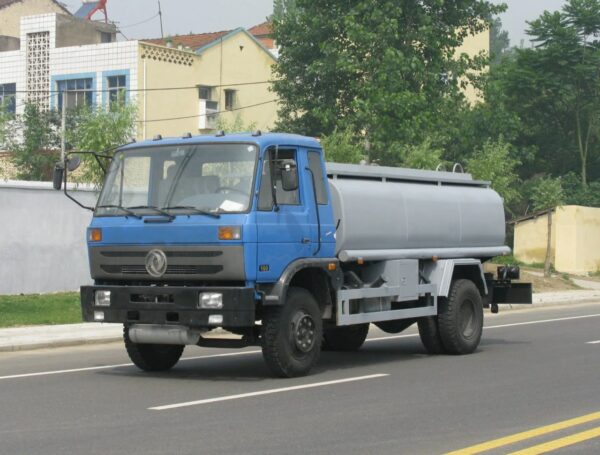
152, 357
292, 334
430, 335
349, 338
460, 319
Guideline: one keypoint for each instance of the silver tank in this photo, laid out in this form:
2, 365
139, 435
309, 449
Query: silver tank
387, 213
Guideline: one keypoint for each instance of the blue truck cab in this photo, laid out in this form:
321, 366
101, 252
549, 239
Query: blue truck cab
196, 233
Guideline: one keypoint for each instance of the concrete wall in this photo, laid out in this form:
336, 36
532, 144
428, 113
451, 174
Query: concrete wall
42, 239
575, 239
10, 16
72, 31
9, 43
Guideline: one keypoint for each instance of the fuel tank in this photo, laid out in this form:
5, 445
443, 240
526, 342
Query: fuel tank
387, 213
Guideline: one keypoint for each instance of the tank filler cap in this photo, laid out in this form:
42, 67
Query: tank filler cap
158, 137
220, 133
257, 133
187, 136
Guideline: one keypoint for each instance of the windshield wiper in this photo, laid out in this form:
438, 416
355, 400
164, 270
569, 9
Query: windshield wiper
120, 207
193, 209
155, 209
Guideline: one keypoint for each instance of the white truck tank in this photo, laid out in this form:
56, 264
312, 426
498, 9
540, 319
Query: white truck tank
393, 213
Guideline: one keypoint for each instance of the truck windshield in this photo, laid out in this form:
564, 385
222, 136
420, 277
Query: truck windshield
213, 178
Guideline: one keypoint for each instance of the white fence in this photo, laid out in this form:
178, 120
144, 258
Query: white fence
42, 238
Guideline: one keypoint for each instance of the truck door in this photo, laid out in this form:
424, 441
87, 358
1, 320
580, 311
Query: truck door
283, 232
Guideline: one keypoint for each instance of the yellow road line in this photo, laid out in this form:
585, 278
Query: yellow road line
560, 443
495, 443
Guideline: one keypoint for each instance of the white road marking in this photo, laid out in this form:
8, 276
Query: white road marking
233, 354
108, 367
266, 392
593, 342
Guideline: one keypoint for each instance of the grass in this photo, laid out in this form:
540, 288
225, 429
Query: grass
19, 310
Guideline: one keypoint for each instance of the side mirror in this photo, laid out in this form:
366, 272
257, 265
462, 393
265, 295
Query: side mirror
289, 178
58, 176
73, 163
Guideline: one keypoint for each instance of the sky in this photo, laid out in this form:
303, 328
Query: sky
201, 16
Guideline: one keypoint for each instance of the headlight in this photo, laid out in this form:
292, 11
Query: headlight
102, 298
210, 301
230, 232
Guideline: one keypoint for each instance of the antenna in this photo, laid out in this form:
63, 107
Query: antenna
162, 35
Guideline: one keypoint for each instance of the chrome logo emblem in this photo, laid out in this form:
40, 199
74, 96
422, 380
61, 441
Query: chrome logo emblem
156, 263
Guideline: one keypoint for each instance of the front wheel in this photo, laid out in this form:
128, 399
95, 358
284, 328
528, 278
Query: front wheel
292, 334
152, 357
460, 318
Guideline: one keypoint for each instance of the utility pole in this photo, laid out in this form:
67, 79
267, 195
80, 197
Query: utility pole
63, 126
162, 35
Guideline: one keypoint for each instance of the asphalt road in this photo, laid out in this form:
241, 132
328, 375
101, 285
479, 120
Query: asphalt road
537, 371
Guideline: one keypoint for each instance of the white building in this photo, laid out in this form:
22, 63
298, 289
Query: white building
47, 62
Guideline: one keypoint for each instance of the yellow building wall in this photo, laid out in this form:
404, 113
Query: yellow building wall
531, 237
578, 234
159, 68
474, 45
238, 59
10, 16
575, 239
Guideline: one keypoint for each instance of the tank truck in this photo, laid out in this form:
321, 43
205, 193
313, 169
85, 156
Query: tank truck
255, 235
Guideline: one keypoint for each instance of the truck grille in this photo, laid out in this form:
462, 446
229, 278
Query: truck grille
183, 262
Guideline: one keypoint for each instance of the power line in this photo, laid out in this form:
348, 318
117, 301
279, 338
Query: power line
139, 23
194, 87
204, 115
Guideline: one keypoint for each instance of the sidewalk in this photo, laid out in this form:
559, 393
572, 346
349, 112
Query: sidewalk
48, 336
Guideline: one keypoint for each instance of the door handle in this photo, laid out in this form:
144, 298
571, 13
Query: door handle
305, 240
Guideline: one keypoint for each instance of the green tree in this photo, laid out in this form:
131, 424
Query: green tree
423, 156
34, 143
547, 195
495, 164
499, 42
554, 88
100, 129
237, 125
386, 70
341, 147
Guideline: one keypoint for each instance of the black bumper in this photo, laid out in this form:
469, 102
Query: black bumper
169, 305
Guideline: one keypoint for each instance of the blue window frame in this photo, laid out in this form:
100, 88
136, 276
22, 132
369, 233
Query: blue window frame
8, 94
117, 90
79, 93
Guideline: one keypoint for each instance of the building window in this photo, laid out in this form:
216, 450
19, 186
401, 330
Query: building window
8, 97
105, 37
78, 93
230, 100
205, 92
117, 90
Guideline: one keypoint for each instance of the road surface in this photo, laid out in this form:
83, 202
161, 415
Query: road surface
534, 383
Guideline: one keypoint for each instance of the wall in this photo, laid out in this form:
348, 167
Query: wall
72, 31
42, 239
575, 239
9, 43
240, 59
10, 16
578, 244
531, 237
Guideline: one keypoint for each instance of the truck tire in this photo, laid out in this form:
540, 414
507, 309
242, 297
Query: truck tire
152, 357
349, 338
460, 318
292, 334
430, 335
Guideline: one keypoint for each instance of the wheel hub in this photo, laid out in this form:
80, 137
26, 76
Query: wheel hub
303, 332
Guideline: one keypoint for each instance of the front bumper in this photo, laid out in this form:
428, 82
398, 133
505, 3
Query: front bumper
169, 305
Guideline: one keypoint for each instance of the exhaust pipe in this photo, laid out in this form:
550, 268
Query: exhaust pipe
163, 334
